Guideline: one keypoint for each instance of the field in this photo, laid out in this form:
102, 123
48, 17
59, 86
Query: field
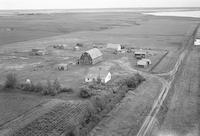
162, 37
182, 117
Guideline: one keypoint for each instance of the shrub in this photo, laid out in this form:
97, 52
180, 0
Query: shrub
134, 81
38, 87
11, 80
131, 82
85, 92
68, 90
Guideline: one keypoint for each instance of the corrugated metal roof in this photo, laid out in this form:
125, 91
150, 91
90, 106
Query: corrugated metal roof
94, 53
142, 62
114, 46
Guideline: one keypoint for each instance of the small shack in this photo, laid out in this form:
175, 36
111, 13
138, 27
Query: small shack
76, 48
38, 52
116, 47
143, 63
62, 67
140, 54
197, 42
60, 46
91, 56
103, 75
148, 61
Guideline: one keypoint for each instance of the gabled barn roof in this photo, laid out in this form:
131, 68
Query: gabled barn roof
94, 53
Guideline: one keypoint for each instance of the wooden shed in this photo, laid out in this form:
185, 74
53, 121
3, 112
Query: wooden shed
91, 56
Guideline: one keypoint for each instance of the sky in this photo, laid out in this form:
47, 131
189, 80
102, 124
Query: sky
79, 4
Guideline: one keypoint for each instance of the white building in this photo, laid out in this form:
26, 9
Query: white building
39, 52
143, 63
116, 47
62, 67
104, 75
197, 42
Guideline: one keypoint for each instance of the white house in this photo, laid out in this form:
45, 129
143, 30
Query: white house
116, 47
104, 75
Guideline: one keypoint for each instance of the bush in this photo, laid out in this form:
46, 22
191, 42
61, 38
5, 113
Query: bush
85, 92
68, 90
11, 81
134, 81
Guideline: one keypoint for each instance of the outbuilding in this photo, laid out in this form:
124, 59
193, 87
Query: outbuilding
147, 60
103, 75
60, 46
91, 56
62, 67
38, 52
140, 54
143, 63
116, 47
197, 42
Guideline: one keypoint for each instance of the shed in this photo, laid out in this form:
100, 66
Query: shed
60, 46
62, 67
103, 75
197, 42
91, 56
39, 52
116, 47
142, 63
147, 60
76, 48
140, 54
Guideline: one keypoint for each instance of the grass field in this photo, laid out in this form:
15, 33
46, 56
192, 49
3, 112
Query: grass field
21, 33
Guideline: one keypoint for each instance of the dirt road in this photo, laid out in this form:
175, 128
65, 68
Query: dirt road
151, 119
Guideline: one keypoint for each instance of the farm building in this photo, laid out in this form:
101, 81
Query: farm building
62, 67
103, 75
116, 47
148, 61
197, 42
76, 48
60, 46
140, 54
38, 52
143, 63
91, 56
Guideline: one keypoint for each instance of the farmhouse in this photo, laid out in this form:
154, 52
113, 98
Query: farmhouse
103, 75
116, 47
39, 52
91, 56
140, 54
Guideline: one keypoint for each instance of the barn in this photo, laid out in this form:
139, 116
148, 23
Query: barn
91, 56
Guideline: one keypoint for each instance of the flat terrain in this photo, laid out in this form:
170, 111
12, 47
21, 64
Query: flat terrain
182, 118
21, 33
